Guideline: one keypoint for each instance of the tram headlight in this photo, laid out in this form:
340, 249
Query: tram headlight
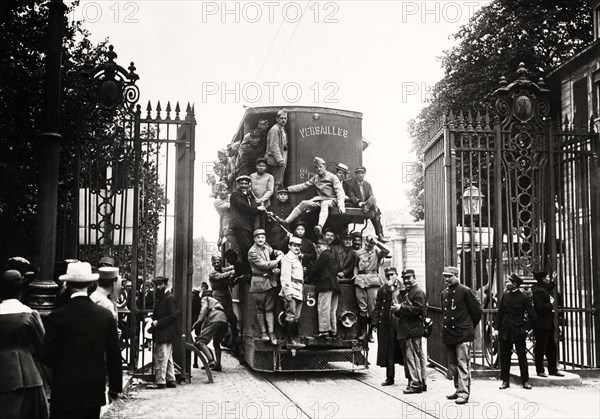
348, 319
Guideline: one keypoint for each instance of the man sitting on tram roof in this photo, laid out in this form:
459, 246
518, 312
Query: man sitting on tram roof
330, 193
360, 193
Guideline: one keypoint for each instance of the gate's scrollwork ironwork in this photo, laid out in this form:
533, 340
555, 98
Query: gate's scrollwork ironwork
537, 191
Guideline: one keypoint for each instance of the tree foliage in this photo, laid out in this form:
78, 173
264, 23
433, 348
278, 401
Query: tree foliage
542, 34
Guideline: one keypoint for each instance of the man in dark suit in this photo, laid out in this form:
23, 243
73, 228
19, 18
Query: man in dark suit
515, 309
543, 327
361, 195
81, 346
324, 276
411, 312
346, 258
164, 332
243, 213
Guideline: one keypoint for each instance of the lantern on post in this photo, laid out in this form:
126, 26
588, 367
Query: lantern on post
472, 200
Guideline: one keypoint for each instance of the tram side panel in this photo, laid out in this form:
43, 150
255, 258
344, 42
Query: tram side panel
335, 137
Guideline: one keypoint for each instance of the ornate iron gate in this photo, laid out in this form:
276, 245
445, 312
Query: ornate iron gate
506, 192
134, 198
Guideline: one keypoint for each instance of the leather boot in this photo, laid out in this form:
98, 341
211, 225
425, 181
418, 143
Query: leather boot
263, 326
370, 336
379, 229
294, 335
270, 316
362, 328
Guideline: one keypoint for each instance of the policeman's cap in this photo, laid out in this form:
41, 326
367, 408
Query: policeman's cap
390, 270
243, 177
161, 280
450, 270
408, 273
255, 132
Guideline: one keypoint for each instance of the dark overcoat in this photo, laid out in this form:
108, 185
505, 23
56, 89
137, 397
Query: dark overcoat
461, 312
242, 211
81, 346
411, 312
387, 325
324, 273
515, 309
543, 308
165, 313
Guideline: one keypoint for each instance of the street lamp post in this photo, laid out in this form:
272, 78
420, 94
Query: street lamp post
472, 200
43, 289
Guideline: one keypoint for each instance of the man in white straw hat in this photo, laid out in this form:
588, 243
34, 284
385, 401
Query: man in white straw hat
81, 348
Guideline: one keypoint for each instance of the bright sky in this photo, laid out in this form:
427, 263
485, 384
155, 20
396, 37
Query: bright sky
374, 57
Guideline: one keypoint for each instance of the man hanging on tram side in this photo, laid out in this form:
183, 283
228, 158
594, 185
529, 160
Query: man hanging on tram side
263, 260
292, 278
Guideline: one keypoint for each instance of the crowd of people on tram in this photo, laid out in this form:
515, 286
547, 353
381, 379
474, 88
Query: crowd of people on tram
268, 236
265, 242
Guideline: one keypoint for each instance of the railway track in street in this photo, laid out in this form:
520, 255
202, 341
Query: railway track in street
336, 394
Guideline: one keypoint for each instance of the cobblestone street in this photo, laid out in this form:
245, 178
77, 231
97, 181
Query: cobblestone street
240, 393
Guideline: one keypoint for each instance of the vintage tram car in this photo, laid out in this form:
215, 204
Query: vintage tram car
336, 136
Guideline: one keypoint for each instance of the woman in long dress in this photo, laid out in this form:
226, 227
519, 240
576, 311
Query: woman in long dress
21, 335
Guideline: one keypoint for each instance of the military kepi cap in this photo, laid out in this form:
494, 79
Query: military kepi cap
407, 273
258, 231
450, 270
243, 177
296, 240
319, 160
390, 270
515, 279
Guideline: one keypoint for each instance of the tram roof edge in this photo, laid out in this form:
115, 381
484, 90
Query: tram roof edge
275, 109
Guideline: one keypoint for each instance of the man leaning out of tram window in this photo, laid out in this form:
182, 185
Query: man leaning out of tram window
324, 276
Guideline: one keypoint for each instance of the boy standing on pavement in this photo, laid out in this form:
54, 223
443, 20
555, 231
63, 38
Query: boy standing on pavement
462, 313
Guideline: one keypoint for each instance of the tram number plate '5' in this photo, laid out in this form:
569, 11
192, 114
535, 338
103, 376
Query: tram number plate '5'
310, 299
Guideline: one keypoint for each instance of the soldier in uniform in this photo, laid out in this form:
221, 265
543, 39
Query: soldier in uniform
411, 312
280, 209
263, 284
462, 313
361, 195
389, 349
253, 146
346, 258
330, 193
308, 251
292, 278
219, 282
514, 310
277, 148
367, 282
543, 328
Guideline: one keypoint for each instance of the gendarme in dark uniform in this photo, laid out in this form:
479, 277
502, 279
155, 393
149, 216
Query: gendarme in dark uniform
462, 312
515, 309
